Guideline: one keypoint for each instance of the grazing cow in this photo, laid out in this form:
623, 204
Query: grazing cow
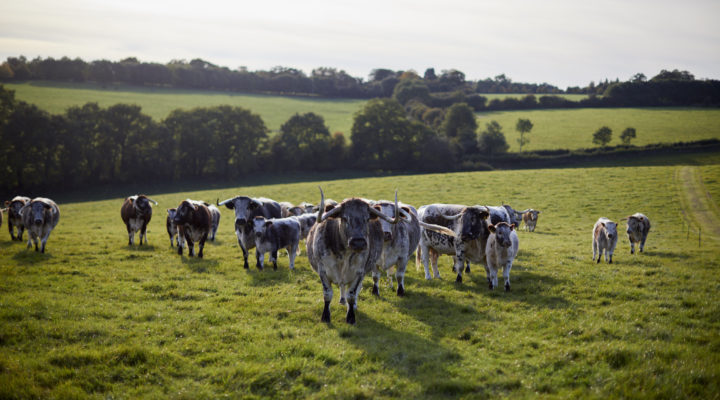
343, 246
215, 223
194, 222
136, 213
604, 239
246, 209
530, 218
40, 216
399, 242
500, 251
274, 234
15, 220
638, 226
470, 228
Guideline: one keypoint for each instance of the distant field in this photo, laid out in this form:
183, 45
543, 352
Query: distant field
568, 129
158, 103
94, 318
572, 129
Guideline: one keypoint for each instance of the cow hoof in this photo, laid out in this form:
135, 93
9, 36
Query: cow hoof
610, 262
458, 279
507, 287
467, 269
401, 291
326, 313
375, 291
350, 318
598, 260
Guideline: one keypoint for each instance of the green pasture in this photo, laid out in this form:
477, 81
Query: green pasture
573, 129
159, 102
95, 318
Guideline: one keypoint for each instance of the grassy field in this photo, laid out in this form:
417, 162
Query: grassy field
572, 129
98, 319
158, 102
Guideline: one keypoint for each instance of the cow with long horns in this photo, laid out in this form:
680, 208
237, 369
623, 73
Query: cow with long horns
343, 246
136, 213
40, 216
246, 209
470, 229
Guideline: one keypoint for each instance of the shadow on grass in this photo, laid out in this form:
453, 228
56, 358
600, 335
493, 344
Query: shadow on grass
199, 265
407, 354
270, 277
28, 256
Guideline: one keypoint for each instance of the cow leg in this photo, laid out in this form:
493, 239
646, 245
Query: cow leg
12, 231
257, 259
376, 279
506, 275
458, 265
400, 269
425, 256
292, 253
642, 244
608, 256
327, 295
343, 293
131, 235
244, 249
595, 249
632, 247
352, 295
467, 267
260, 259
273, 257
143, 233
201, 246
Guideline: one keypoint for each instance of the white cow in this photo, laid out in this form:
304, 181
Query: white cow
500, 251
604, 239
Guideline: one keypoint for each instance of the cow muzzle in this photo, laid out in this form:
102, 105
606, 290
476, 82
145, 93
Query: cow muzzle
357, 244
387, 236
38, 222
240, 222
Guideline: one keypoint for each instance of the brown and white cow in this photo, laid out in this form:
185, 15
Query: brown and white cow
638, 226
470, 227
15, 220
343, 246
604, 239
500, 251
246, 209
194, 222
530, 218
40, 216
136, 213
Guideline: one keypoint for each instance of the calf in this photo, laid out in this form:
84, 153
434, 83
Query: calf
530, 218
638, 226
500, 251
215, 223
40, 216
15, 220
172, 229
274, 234
136, 213
246, 209
194, 222
343, 246
604, 239
306, 223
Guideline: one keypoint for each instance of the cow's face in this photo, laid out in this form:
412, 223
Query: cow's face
388, 209
635, 225
471, 223
260, 224
611, 230
37, 212
355, 216
183, 214
14, 208
502, 233
171, 213
244, 207
142, 205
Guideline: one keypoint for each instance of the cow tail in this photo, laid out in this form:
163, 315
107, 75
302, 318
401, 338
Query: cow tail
417, 259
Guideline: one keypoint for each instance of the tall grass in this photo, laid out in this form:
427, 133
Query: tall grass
95, 318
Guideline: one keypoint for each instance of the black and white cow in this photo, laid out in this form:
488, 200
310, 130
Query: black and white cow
172, 229
638, 227
40, 216
15, 221
274, 234
343, 246
500, 251
246, 209
468, 243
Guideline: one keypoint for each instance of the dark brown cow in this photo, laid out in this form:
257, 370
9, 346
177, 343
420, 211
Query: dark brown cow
15, 221
194, 221
136, 212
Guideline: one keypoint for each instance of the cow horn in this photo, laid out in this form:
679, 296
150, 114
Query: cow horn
405, 215
438, 229
525, 210
149, 199
451, 218
223, 202
321, 207
385, 217
256, 202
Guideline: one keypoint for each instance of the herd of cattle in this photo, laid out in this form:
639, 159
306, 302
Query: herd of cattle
344, 241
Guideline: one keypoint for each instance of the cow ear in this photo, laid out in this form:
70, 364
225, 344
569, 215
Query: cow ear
268, 223
46, 205
512, 226
230, 205
491, 227
538, 212
407, 209
329, 207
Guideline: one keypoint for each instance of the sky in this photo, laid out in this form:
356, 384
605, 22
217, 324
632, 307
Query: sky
560, 42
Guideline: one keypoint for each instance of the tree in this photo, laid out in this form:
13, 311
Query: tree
492, 140
628, 135
458, 117
304, 143
411, 89
523, 126
602, 136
